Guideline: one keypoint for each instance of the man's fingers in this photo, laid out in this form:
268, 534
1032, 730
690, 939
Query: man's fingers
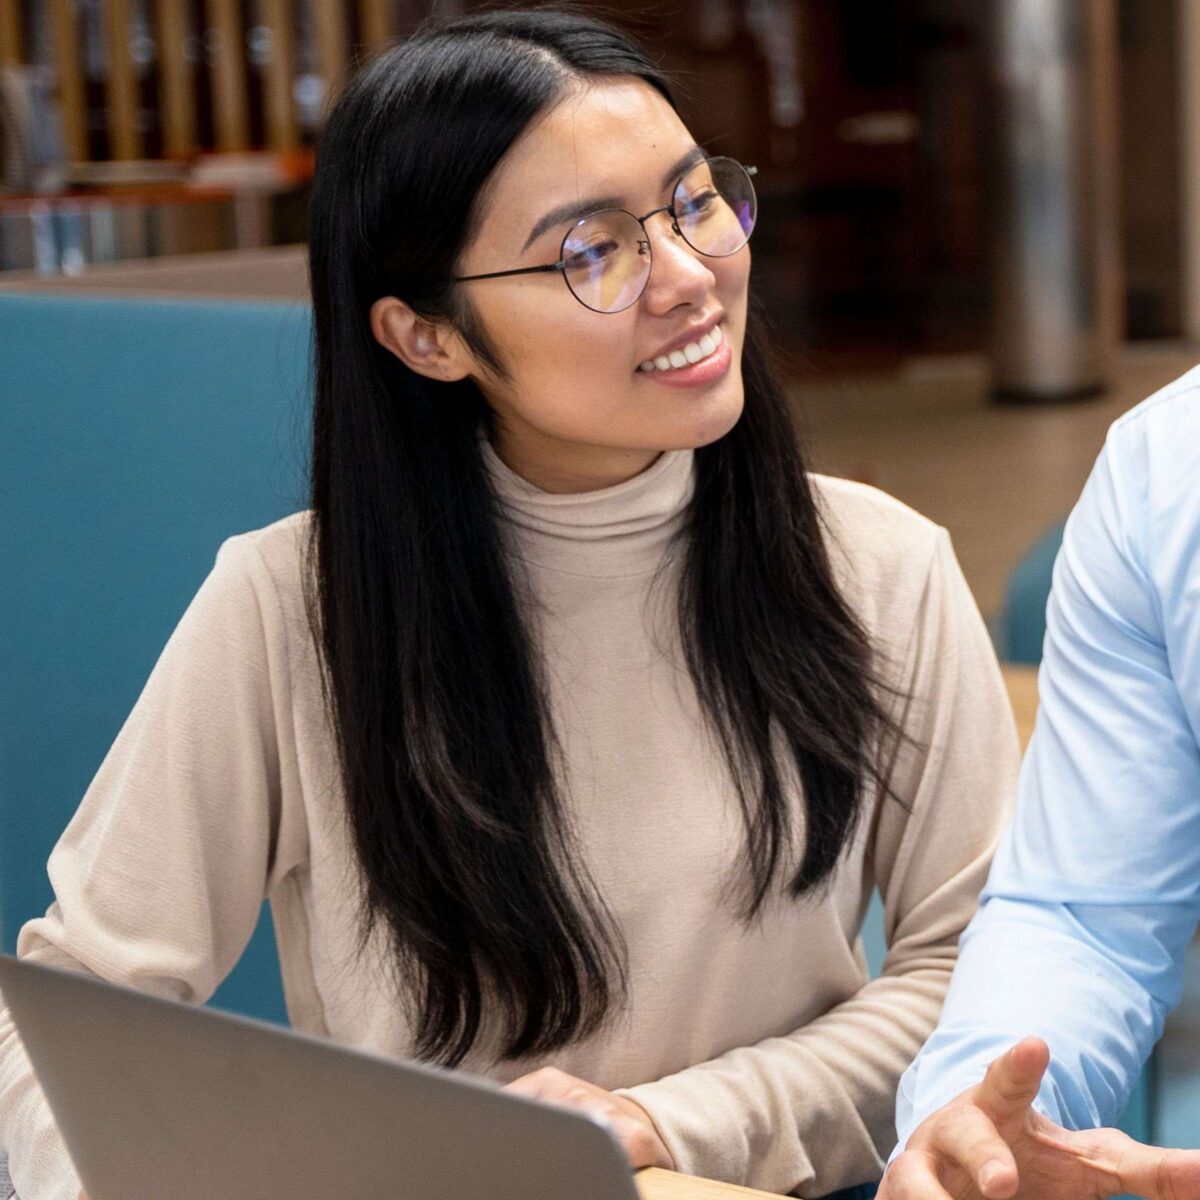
1155, 1173
912, 1177
964, 1136
1012, 1081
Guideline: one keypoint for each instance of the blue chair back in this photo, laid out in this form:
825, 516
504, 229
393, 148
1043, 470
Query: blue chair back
135, 435
1023, 619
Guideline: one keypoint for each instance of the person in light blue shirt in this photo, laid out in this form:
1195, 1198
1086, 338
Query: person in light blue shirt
1095, 891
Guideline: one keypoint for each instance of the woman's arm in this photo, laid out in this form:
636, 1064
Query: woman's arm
812, 1111
160, 876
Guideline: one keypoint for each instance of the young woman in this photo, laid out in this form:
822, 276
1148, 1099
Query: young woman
571, 729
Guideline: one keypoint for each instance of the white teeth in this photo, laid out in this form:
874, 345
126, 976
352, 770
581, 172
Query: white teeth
693, 352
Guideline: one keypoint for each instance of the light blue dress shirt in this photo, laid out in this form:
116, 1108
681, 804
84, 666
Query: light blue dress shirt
1095, 890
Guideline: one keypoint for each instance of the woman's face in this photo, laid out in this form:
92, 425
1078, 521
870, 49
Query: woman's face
576, 411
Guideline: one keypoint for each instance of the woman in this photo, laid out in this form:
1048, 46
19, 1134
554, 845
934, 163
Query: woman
570, 731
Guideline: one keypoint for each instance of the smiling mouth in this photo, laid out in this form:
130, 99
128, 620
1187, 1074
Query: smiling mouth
688, 355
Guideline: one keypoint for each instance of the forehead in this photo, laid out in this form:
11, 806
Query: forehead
609, 136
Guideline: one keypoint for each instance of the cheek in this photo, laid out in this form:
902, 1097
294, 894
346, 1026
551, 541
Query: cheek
553, 345
566, 363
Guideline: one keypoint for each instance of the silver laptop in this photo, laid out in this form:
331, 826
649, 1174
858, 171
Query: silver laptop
164, 1101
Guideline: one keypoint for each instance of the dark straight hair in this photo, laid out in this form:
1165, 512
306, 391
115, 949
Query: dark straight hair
435, 688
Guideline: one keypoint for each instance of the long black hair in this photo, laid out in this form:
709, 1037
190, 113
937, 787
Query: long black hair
434, 685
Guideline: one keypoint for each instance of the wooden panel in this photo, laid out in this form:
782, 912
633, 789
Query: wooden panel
10, 33
125, 140
330, 20
375, 19
177, 94
277, 16
69, 69
229, 76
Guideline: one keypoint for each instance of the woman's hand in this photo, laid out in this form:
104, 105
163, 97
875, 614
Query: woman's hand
628, 1120
989, 1144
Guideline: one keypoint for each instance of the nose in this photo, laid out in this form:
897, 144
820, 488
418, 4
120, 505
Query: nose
678, 274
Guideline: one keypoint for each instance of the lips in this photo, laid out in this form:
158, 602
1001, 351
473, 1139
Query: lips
692, 334
699, 374
686, 351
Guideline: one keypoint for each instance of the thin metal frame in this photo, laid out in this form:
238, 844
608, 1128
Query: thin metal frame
561, 265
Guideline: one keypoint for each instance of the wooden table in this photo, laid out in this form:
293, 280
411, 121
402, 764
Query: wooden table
654, 1184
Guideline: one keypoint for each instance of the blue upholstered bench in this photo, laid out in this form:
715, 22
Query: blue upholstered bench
135, 435
1022, 626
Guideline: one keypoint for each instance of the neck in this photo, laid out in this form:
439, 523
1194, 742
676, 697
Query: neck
565, 468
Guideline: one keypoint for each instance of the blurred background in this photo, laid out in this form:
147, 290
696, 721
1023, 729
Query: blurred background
961, 199
979, 243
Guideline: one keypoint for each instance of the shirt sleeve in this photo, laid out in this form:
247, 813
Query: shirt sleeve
1093, 895
812, 1111
160, 876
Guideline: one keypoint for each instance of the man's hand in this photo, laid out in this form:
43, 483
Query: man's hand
628, 1120
989, 1144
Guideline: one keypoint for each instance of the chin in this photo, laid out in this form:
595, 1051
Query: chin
713, 422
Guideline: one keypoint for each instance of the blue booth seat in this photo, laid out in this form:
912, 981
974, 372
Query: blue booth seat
1023, 619
135, 436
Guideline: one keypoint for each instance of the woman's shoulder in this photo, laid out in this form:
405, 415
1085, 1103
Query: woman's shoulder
881, 550
282, 544
271, 561
871, 525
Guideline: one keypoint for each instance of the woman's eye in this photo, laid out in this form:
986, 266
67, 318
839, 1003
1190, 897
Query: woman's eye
598, 253
698, 205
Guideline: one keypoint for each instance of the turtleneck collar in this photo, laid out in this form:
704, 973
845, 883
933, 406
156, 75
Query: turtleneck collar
616, 531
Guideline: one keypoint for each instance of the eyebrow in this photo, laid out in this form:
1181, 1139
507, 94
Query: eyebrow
578, 209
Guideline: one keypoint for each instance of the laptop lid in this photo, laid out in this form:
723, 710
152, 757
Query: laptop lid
160, 1099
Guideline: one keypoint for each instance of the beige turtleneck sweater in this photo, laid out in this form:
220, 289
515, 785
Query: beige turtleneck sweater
764, 1054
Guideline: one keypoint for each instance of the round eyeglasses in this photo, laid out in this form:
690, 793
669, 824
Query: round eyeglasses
606, 257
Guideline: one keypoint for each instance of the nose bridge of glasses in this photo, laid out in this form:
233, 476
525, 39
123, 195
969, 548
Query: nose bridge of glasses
677, 248
669, 209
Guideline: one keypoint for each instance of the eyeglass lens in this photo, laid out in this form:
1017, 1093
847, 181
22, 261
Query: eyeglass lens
607, 255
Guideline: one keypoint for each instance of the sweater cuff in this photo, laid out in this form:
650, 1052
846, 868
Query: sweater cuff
701, 1133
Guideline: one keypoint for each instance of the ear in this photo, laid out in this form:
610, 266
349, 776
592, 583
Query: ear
430, 348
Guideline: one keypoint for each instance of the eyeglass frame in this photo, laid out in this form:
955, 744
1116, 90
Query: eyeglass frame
561, 265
